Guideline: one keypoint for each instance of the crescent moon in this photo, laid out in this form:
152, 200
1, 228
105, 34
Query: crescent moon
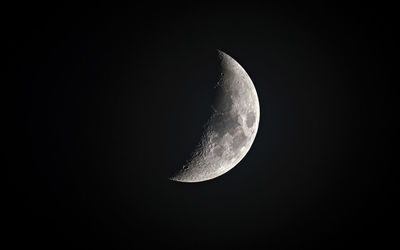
231, 129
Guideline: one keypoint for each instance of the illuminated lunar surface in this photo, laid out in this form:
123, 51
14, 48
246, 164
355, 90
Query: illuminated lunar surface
231, 129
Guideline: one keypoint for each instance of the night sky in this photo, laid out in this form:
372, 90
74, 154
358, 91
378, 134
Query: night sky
109, 100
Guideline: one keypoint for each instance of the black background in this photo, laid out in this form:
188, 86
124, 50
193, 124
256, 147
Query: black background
109, 100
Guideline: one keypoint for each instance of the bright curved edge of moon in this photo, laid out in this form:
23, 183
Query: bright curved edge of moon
231, 129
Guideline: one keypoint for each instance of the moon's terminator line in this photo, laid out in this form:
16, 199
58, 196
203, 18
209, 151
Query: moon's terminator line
231, 129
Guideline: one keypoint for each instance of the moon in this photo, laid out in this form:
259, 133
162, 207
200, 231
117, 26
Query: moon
231, 129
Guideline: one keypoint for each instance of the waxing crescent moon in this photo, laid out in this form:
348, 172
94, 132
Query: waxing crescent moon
231, 129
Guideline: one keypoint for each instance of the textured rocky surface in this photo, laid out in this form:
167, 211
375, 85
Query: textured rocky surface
230, 131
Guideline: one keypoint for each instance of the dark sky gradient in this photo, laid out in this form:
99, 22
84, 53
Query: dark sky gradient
111, 99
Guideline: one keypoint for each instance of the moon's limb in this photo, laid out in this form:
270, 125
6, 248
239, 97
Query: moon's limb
230, 131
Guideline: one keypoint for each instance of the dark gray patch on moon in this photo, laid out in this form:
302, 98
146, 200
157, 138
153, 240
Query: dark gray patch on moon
224, 102
219, 151
225, 124
239, 140
250, 119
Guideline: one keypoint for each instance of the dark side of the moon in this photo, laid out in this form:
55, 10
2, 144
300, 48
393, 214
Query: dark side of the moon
126, 130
